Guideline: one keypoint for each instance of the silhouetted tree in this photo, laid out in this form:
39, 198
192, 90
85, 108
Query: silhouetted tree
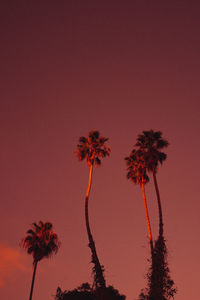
93, 149
160, 284
85, 292
40, 242
137, 173
151, 142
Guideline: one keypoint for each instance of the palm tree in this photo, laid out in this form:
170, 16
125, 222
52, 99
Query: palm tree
137, 173
151, 142
40, 242
160, 284
93, 149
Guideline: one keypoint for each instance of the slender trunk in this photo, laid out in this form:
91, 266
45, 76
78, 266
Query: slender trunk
159, 204
33, 279
99, 278
147, 218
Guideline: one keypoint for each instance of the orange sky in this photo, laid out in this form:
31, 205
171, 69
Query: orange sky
68, 67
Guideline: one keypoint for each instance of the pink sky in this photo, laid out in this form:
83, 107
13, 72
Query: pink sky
68, 67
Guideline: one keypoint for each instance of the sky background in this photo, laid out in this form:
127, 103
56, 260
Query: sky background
119, 67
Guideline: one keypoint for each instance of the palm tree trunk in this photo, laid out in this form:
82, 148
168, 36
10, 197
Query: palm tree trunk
99, 278
33, 279
159, 204
147, 218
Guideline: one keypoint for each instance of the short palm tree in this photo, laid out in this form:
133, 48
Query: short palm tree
40, 242
151, 142
93, 149
136, 171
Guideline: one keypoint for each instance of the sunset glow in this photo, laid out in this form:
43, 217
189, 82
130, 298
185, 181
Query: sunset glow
120, 68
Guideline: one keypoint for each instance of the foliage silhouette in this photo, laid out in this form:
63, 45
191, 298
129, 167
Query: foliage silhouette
40, 242
85, 292
160, 286
136, 171
93, 149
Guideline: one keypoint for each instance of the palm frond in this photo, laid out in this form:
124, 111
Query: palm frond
136, 167
151, 142
92, 148
41, 241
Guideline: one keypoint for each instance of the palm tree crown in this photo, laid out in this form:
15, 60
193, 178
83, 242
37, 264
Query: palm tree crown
92, 148
41, 241
152, 142
136, 167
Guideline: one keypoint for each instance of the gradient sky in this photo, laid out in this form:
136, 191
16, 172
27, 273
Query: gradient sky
120, 67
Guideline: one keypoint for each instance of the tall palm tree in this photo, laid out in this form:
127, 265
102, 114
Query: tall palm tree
151, 142
93, 149
136, 171
40, 242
